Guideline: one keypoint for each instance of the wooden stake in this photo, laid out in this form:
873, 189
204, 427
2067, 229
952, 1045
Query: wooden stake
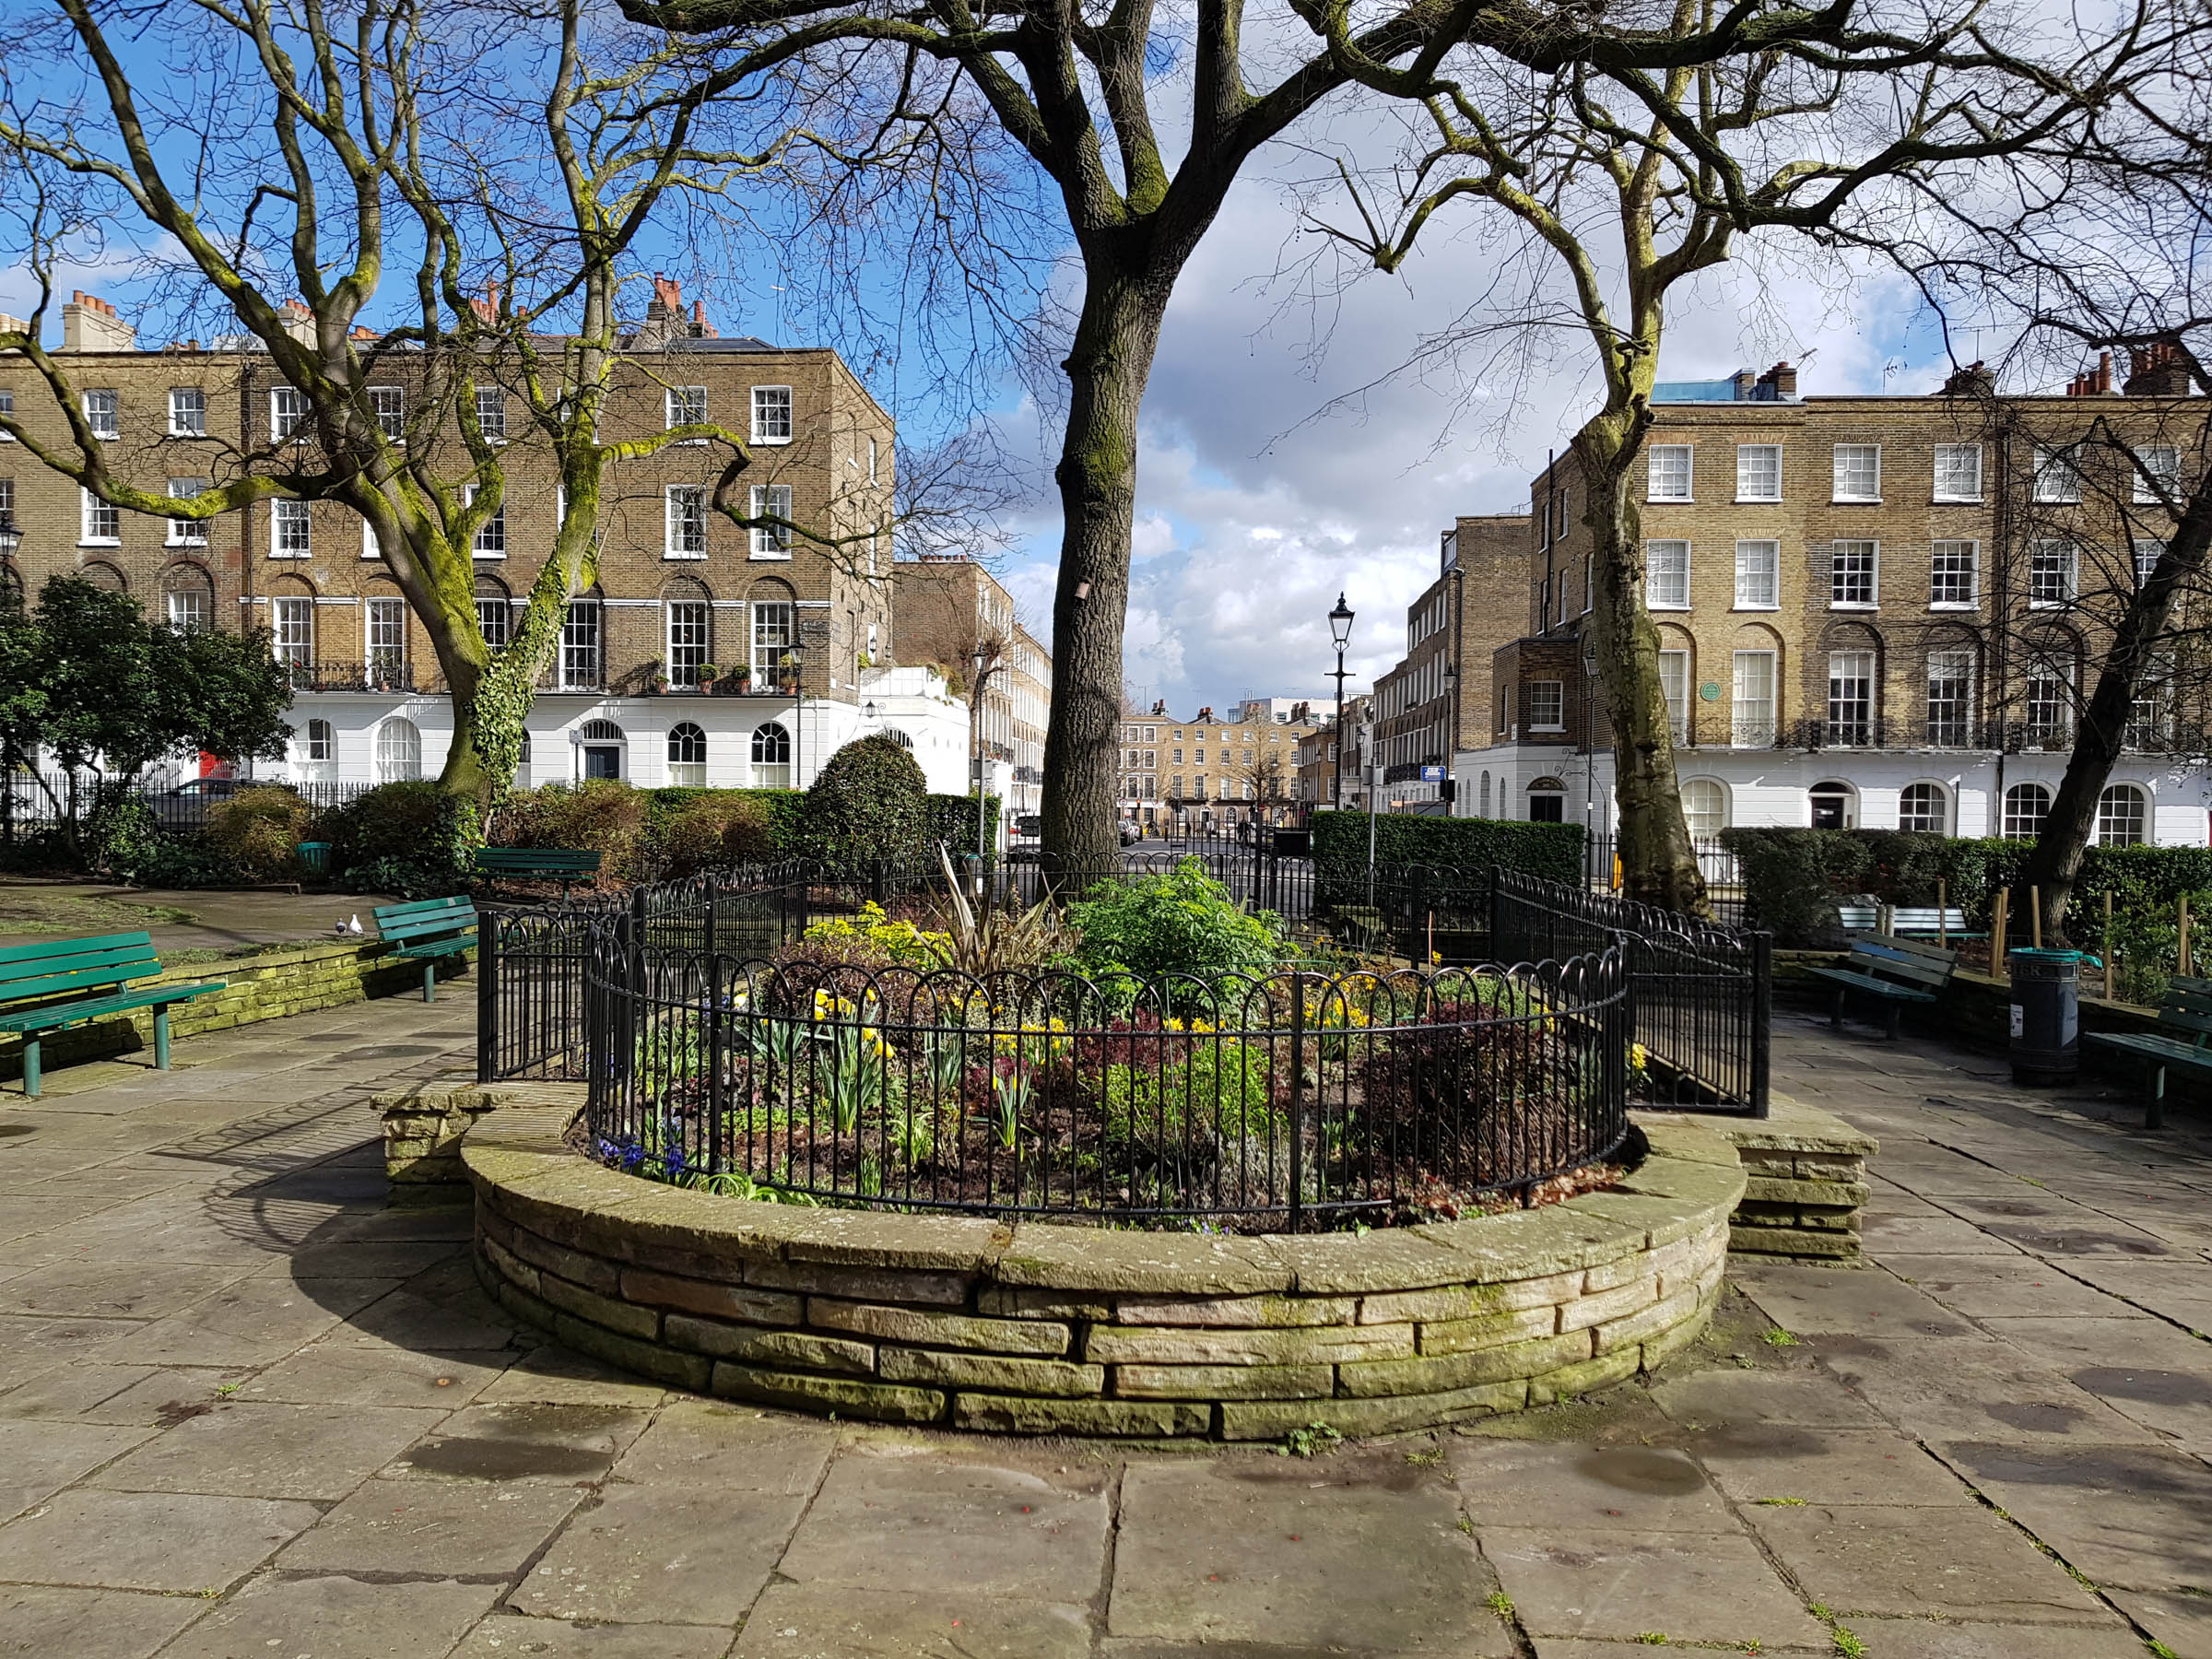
1943, 932
2181, 955
2111, 964
1996, 934
2035, 917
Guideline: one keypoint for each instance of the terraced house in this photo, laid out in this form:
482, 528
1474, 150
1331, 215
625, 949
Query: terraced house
1873, 611
707, 653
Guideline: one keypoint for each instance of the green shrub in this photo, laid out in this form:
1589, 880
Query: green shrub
1553, 850
1182, 922
1793, 877
952, 820
182, 861
419, 824
260, 832
600, 815
870, 804
404, 879
715, 829
1210, 1092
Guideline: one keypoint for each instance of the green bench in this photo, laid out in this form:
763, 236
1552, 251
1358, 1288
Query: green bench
428, 929
44, 987
1896, 972
538, 863
2184, 1023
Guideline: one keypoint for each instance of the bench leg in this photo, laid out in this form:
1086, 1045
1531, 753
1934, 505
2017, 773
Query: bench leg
162, 1038
30, 1064
2154, 1098
1835, 1014
1895, 1021
430, 978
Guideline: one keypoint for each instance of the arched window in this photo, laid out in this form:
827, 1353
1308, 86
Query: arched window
398, 751
495, 611
317, 750
1705, 806
1547, 802
2026, 807
1484, 805
599, 745
105, 576
772, 757
188, 597
904, 741
1835, 806
687, 754
2122, 814
1924, 807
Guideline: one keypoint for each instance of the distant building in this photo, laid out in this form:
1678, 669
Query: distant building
949, 609
1208, 773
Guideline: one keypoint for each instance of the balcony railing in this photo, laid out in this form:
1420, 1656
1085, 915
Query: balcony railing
379, 675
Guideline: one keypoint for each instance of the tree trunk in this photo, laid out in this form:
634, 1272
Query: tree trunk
1658, 861
1107, 369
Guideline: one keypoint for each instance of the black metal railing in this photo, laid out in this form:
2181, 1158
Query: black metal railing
29, 802
1292, 1102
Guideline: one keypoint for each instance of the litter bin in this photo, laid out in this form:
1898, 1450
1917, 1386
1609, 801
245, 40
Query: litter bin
2046, 1015
315, 856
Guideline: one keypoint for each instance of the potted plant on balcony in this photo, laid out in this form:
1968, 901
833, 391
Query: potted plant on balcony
708, 674
788, 681
745, 679
656, 675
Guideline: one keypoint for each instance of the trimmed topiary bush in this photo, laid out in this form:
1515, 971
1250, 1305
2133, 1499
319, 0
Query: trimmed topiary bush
1553, 850
870, 804
259, 831
1182, 922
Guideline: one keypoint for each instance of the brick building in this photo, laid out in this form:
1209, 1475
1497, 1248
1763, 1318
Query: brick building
1207, 774
1877, 611
680, 589
949, 609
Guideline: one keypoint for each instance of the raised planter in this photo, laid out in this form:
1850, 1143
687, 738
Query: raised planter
1035, 1328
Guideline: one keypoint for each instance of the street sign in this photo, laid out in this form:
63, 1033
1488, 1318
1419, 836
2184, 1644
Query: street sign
814, 631
1432, 774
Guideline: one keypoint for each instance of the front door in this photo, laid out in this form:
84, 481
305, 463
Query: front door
602, 760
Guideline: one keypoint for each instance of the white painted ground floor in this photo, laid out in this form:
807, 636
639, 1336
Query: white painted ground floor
2163, 800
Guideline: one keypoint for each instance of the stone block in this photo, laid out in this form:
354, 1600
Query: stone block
1095, 1261
1660, 1219
1522, 1245
594, 1272
1586, 1311
1809, 1167
1224, 1381
508, 1265
646, 1358
935, 1368
816, 1278
1192, 1344
757, 1345
1489, 1330
1011, 1414
1449, 1372
605, 1310
1352, 1264
1649, 1322
952, 1244
1472, 1301
1793, 1242
1008, 1301
883, 1402
1265, 1312
927, 1327
715, 1300
1598, 1372
1272, 1419
1836, 1195
1660, 1345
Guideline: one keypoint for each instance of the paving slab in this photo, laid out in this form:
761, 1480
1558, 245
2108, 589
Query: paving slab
131, 1395
561, 1444
1972, 1388
818, 1621
254, 1322
434, 1527
115, 1290
732, 1449
1236, 1550
333, 1372
506, 1636
334, 1618
676, 1555
2135, 1516
1949, 1639
1716, 1398
1575, 1484
470, 1320
30, 1347
270, 1450
1622, 1585
2183, 1622
37, 1459
40, 1622
1776, 1465
2140, 1366
1926, 1235
172, 1541
556, 1376
1961, 1563
922, 1523
1813, 1303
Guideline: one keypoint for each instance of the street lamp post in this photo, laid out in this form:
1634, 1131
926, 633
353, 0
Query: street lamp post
1340, 630
796, 657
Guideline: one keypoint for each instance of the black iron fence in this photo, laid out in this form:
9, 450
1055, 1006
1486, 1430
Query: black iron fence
30, 801
1296, 1100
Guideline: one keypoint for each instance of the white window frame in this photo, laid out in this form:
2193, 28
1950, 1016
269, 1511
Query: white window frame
682, 656
8, 407
2056, 732
686, 774
383, 632
1666, 584
684, 533
583, 663
1747, 584
1744, 453
764, 654
2107, 821
2057, 474
396, 760
198, 601
770, 541
1943, 808
1674, 684
1871, 552
1667, 465
1948, 549
1844, 462
2013, 823
1542, 693
1852, 676
292, 628
1716, 817
492, 413
1746, 728
2147, 552
186, 533
2147, 461
767, 402
684, 405
1947, 485
489, 542
318, 760
287, 413
103, 411
1952, 664
2068, 554
187, 419
388, 407
370, 546
769, 773
99, 523
495, 604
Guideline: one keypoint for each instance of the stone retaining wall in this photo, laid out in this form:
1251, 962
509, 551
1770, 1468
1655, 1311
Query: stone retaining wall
1805, 1182
1035, 1329
321, 974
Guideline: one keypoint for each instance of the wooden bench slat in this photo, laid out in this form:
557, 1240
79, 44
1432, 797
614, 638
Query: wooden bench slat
45, 987
78, 961
89, 945
75, 1013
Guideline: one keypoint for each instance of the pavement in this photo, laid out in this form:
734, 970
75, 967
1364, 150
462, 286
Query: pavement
248, 1410
185, 925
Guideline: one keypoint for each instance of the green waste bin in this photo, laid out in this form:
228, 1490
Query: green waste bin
315, 856
2046, 1015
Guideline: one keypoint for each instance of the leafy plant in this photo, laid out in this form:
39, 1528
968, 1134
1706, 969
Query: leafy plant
715, 828
260, 831
1310, 1442
1187, 1090
403, 878
1011, 1092
1182, 922
415, 826
871, 939
598, 815
869, 803
996, 941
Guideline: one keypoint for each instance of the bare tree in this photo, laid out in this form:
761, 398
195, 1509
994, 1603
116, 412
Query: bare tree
482, 173
1628, 181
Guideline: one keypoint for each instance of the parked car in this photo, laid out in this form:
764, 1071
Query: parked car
1131, 834
186, 806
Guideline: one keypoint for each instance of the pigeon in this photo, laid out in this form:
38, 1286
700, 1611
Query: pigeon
354, 925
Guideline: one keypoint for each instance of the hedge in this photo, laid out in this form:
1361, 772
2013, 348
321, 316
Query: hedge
1554, 851
951, 817
1795, 878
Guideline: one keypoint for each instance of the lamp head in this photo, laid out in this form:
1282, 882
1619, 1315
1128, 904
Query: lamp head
1340, 623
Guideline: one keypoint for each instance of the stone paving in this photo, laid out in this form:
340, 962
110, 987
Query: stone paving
249, 1410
